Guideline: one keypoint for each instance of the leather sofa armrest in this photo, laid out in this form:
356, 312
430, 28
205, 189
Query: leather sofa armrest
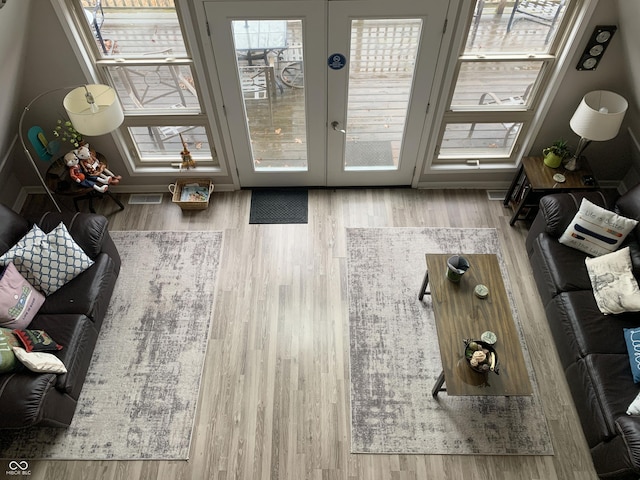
22, 396
628, 204
629, 428
89, 230
559, 209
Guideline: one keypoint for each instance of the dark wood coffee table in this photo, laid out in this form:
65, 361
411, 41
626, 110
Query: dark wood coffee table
460, 314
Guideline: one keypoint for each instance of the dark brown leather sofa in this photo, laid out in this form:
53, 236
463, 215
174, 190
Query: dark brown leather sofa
590, 345
72, 316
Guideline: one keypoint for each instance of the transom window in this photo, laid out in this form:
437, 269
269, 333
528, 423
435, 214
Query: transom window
509, 51
139, 49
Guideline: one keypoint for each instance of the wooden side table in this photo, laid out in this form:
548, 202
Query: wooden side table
535, 180
60, 182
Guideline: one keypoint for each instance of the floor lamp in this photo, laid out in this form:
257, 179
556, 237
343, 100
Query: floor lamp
597, 118
92, 109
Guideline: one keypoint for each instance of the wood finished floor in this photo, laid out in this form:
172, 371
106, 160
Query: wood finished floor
274, 399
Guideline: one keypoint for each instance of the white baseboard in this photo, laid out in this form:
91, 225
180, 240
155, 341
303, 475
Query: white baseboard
35, 190
465, 185
20, 199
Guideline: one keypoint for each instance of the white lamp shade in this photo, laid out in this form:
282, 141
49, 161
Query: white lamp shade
102, 117
599, 115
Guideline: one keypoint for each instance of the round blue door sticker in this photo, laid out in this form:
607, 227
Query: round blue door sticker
336, 61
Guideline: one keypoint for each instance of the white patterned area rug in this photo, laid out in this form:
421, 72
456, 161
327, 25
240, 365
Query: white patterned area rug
140, 397
395, 361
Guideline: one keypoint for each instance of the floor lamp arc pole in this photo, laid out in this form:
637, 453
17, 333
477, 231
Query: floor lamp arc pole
24, 145
93, 109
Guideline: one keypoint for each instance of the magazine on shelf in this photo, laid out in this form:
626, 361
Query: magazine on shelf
194, 193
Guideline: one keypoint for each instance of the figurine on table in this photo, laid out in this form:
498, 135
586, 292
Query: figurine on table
187, 160
93, 168
77, 175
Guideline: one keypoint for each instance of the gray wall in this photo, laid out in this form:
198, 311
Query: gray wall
13, 44
609, 160
48, 69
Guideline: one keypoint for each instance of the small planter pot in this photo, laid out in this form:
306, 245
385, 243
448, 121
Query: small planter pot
551, 160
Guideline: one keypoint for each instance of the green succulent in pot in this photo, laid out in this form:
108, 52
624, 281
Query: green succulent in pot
556, 153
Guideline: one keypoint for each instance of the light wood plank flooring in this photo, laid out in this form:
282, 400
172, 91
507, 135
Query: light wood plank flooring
274, 400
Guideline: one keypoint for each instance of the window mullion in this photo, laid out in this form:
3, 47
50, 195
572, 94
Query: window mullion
498, 79
139, 49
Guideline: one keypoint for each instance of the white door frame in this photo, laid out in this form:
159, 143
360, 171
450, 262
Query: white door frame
313, 16
325, 146
340, 14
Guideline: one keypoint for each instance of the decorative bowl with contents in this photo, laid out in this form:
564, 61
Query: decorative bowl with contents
481, 356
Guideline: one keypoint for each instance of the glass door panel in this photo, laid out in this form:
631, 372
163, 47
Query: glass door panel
378, 102
274, 99
275, 109
320, 94
383, 54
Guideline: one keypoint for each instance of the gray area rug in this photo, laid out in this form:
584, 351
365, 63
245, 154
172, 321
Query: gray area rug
368, 154
395, 361
140, 397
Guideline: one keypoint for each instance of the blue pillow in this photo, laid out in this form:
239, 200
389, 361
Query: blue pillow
632, 337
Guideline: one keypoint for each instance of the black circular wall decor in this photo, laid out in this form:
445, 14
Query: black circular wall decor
600, 39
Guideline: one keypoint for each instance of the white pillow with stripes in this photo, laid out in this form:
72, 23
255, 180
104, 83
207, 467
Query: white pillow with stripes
596, 230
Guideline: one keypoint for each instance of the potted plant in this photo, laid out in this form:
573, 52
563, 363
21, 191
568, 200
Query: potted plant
554, 154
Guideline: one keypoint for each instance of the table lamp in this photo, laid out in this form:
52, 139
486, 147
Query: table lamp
597, 118
92, 109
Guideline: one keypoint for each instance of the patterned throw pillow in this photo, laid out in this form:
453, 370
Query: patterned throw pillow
8, 361
634, 408
36, 341
596, 230
614, 286
632, 338
49, 260
19, 301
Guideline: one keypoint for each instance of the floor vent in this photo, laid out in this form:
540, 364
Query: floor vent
145, 199
496, 194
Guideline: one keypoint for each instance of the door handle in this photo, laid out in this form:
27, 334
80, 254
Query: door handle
335, 126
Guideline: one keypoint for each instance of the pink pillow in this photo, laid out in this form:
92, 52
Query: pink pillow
19, 301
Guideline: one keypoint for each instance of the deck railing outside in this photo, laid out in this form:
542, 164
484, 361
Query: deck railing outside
144, 31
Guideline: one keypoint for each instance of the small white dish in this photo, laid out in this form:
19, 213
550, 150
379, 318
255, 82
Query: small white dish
558, 177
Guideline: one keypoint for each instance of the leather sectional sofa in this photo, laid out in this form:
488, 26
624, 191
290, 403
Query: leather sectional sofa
72, 316
590, 345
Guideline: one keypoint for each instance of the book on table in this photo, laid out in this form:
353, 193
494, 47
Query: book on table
194, 193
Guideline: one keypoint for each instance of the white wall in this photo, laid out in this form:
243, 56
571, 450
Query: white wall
13, 43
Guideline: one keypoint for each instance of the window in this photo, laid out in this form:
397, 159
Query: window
137, 46
509, 50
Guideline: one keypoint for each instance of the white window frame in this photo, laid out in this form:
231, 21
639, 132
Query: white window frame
71, 15
555, 65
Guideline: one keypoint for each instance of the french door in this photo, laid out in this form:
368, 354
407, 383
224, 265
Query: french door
326, 93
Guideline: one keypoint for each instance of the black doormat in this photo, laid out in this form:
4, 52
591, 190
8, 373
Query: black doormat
368, 154
281, 205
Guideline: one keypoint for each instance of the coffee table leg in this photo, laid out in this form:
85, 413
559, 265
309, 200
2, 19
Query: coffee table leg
423, 288
438, 386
